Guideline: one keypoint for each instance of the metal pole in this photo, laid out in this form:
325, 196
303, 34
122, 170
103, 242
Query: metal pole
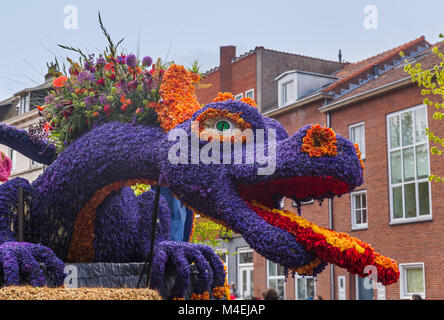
20, 214
150, 257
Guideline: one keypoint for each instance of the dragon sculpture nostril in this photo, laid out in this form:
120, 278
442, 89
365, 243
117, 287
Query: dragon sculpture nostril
320, 141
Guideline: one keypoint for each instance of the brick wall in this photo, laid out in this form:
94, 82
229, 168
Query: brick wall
406, 243
236, 77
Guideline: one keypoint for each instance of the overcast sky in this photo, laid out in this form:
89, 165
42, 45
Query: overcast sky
193, 30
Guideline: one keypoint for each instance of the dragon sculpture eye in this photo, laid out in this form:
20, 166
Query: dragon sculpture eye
222, 124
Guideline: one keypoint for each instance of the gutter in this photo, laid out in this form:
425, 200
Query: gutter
298, 103
367, 94
330, 222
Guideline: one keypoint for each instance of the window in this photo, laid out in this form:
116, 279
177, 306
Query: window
276, 278
305, 288
239, 96
357, 135
245, 273
13, 157
363, 293
250, 93
408, 153
412, 280
359, 210
24, 104
286, 91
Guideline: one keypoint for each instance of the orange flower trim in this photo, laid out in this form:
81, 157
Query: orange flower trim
179, 99
225, 96
207, 125
193, 226
222, 292
319, 141
203, 296
178, 298
359, 155
249, 101
308, 269
81, 248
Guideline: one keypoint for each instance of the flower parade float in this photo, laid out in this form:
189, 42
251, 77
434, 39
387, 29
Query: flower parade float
108, 120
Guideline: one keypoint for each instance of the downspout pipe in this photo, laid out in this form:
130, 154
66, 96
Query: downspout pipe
330, 223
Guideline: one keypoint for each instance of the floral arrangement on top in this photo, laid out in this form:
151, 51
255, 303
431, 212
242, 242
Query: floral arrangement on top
114, 87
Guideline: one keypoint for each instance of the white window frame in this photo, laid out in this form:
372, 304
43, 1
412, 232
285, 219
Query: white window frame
24, 105
296, 277
403, 278
354, 225
13, 157
350, 129
418, 218
250, 91
357, 296
280, 277
243, 265
238, 96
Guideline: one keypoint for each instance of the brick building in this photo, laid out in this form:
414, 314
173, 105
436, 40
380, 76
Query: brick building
20, 111
253, 74
397, 210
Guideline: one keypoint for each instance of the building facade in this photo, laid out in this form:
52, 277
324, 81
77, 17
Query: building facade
397, 210
253, 74
20, 111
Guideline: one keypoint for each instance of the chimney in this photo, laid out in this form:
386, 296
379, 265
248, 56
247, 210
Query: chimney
340, 56
227, 53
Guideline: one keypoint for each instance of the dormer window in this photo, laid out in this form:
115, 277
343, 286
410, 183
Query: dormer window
295, 85
24, 104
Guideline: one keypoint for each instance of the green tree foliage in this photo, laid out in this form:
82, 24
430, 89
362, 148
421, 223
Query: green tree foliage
140, 188
209, 233
432, 83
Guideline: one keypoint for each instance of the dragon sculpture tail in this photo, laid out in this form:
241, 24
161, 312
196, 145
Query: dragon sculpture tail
20, 140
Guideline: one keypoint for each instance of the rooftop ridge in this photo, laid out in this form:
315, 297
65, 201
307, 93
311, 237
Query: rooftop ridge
248, 53
382, 57
305, 56
407, 44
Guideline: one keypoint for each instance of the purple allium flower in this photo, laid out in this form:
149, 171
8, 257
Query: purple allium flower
102, 98
101, 61
88, 65
147, 61
90, 101
49, 99
131, 60
83, 77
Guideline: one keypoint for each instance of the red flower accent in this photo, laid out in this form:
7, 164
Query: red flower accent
100, 82
109, 67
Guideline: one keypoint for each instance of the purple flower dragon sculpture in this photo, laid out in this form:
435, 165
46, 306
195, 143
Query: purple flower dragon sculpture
82, 210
